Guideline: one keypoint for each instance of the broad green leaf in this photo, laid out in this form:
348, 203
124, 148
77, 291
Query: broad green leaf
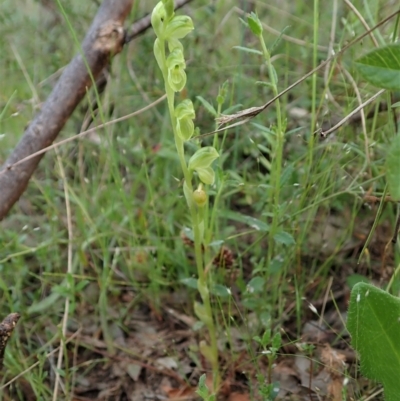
45, 304
374, 325
381, 67
266, 338
284, 238
256, 285
393, 168
190, 282
220, 290
251, 221
354, 279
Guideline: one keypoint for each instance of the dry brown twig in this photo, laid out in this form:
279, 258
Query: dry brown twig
6, 328
105, 38
243, 116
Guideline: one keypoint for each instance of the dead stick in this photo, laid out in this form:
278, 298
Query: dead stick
6, 329
104, 39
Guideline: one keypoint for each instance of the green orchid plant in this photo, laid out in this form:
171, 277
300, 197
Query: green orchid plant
198, 172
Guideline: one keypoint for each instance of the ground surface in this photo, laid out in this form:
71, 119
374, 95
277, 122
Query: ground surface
119, 267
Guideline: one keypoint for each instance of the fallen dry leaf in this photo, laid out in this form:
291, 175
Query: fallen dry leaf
239, 397
179, 394
334, 364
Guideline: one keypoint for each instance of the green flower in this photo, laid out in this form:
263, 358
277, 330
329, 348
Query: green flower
185, 115
203, 158
174, 44
158, 18
176, 70
201, 163
178, 27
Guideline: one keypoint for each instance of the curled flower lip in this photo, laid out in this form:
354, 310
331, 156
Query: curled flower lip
176, 70
185, 128
177, 78
185, 109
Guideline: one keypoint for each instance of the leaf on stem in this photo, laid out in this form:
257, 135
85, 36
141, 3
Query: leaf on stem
381, 67
374, 325
393, 168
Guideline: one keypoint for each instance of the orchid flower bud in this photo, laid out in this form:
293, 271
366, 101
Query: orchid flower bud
200, 197
255, 24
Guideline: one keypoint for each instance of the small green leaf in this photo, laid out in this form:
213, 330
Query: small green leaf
266, 338
374, 325
393, 168
256, 285
248, 50
251, 221
381, 67
220, 290
202, 389
278, 40
394, 106
208, 106
45, 303
284, 238
274, 76
190, 282
276, 341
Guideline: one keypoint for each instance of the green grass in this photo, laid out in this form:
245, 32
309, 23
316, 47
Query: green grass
124, 184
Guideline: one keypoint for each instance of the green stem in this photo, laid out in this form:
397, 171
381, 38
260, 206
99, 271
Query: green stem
198, 240
278, 154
